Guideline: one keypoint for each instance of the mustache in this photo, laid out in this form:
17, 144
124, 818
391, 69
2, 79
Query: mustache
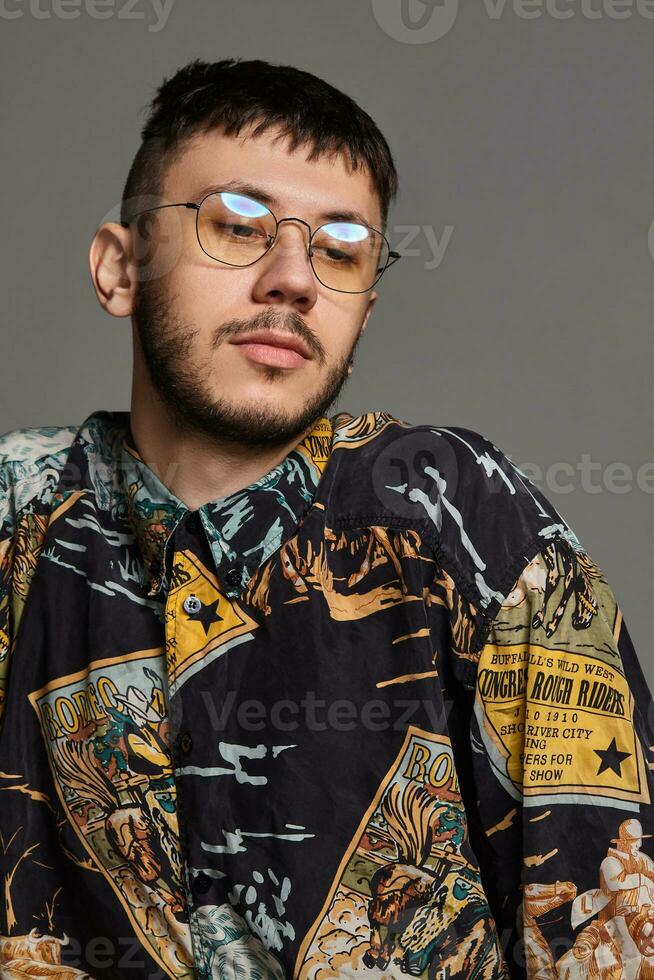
271, 319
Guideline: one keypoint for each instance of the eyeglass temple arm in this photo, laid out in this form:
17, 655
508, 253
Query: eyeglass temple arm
186, 204
393, 257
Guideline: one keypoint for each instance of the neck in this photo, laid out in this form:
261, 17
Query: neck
196, 468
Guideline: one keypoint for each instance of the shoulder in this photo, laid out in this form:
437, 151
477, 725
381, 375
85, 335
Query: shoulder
33, 459
453, 484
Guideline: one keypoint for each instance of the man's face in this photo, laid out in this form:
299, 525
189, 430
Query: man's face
191, 311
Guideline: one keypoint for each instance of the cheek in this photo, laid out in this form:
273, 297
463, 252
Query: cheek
338, 326
206, 298
349, 337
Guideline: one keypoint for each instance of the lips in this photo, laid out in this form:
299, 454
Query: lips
284, 340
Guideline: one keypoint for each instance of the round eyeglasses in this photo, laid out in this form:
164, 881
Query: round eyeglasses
238, 230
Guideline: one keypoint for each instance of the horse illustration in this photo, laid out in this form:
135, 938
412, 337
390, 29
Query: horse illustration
578, 573
437, 915
131, 828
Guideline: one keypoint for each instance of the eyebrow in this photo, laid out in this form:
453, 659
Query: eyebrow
251, 190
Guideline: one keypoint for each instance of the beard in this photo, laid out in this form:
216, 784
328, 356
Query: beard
186, 392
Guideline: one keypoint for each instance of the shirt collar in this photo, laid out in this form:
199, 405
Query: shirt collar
250, 522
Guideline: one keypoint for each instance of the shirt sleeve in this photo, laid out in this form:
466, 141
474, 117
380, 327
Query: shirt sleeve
561, 752
31, 462
6, 629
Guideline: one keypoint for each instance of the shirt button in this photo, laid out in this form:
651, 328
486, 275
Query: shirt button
184, 742
202, 883
233, 575
192, 605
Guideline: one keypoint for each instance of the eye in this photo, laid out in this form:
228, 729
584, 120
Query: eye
241, 231
238, 231
335, 255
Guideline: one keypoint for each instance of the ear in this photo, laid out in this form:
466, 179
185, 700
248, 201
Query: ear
371, 302
112, 270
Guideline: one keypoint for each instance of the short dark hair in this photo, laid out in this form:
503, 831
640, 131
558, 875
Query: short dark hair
231, 94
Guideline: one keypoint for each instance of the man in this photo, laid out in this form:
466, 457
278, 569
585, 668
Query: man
400, 718
623, 905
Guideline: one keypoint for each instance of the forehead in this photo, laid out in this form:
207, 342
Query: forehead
294, 185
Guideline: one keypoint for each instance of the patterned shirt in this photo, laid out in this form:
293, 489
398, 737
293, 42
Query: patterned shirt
375, 715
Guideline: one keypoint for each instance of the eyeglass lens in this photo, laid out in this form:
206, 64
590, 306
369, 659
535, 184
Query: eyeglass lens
238, 230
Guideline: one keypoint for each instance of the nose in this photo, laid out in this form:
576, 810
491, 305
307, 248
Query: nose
284, 274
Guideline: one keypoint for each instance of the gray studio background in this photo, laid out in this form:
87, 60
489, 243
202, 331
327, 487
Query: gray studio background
524, 139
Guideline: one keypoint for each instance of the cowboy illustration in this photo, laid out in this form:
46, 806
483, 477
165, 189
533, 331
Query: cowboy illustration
147, 750
624, 902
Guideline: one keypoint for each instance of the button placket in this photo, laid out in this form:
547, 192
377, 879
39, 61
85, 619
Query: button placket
182, 745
